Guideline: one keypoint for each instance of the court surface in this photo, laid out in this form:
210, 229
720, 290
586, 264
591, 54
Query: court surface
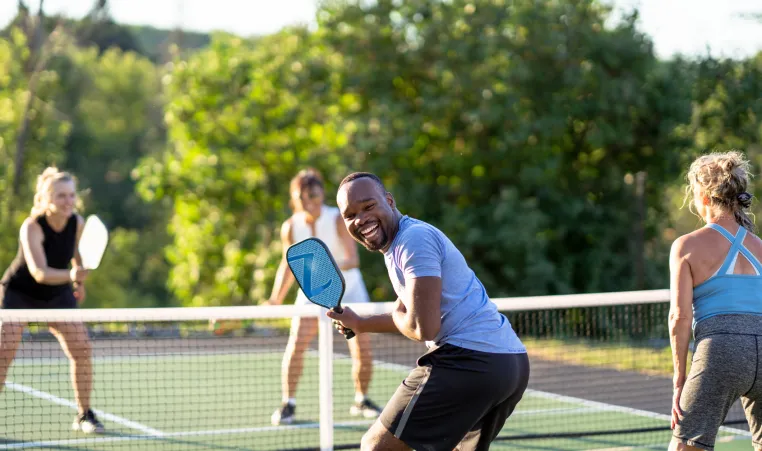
168, 402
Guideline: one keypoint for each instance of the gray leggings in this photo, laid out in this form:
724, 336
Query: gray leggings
727, 365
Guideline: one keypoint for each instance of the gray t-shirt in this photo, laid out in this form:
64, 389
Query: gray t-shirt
470, 319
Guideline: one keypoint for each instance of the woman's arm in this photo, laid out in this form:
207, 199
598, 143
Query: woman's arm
76, 261
681, 310
284, 279
31, 236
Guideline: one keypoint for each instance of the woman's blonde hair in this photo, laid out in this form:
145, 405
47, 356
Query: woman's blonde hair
724, 178
45, 181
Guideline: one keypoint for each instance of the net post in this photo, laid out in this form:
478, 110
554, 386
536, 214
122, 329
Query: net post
325, 352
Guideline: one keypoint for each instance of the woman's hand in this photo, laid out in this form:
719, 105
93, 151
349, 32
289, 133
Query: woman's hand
79, 292
78, 274
677, 412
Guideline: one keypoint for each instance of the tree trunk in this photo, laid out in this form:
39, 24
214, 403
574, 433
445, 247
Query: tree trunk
35, 46
639, 263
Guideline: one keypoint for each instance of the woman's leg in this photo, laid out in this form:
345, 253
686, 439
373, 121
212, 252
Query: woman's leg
303, 331
10, 337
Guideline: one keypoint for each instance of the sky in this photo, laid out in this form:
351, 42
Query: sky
687, 27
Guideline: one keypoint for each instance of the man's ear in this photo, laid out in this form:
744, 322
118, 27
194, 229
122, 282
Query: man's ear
390, 200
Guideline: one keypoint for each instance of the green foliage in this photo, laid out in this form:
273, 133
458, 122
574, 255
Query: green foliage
113, 98
155, 42
130, 274
48, 130
548, 144
727, 99
515, 129
519, 125
94, 114
242, 119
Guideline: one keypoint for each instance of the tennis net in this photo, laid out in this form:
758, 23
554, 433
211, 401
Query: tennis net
210, 378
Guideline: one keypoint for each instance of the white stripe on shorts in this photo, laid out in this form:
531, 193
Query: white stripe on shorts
409, 408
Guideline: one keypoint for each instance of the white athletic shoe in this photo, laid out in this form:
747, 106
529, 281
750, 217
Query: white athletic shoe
284, 415
366, 409
88, 423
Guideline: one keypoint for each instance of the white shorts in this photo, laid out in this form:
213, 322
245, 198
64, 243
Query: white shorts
354, 292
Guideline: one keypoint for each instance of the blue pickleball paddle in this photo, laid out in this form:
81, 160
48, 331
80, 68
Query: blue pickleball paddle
318, 275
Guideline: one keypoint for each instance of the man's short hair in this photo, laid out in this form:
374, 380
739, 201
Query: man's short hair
362, 175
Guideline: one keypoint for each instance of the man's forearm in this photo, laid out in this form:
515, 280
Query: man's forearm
395, 322
382, 323
406, 327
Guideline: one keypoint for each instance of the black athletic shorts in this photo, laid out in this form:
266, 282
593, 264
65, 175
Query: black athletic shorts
456, 397
13, 299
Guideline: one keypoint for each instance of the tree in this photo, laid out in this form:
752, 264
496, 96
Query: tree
726, 96
99, 28
93, 114
242, 118
30, 125
521, 125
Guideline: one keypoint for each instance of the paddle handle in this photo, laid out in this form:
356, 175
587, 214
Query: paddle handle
348, 333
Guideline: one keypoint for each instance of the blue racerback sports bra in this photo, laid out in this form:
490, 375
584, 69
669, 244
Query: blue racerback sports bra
727, 293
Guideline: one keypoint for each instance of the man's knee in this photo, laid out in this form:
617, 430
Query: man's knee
378, 438
368, 442
372, 439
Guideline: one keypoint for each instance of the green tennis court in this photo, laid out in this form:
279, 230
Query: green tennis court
169, 402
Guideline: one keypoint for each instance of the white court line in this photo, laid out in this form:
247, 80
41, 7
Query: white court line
33, 361
166, 435
252, 430
614, 408
590, 406
727, 439
595, 405
65, 402
557, 411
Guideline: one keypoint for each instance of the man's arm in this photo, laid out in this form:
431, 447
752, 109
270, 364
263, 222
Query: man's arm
417, 315
386, 322
422, 321
382, 323
421, 255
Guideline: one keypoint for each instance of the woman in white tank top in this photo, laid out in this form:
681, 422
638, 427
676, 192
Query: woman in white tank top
313, 218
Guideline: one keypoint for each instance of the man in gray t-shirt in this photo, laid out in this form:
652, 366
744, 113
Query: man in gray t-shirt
475, 370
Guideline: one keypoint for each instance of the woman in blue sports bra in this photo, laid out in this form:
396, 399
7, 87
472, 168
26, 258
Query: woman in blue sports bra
716, 293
